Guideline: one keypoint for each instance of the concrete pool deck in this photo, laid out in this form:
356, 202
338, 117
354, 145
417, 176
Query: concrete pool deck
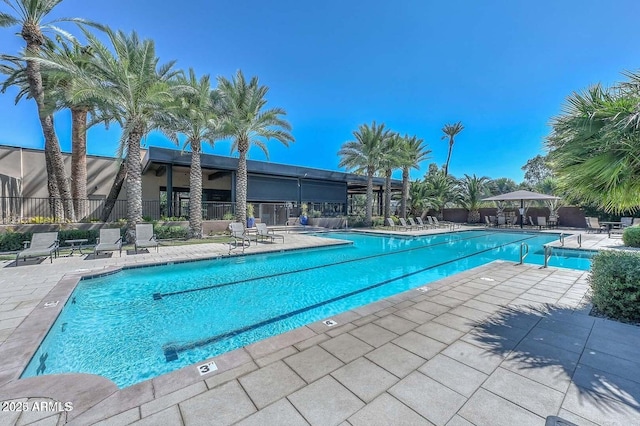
498, 344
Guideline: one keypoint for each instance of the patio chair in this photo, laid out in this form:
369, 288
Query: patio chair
531, 222
413, 224
404, 224
239, 233
636, 221
264, 232
145, 237
626, 221
502, 221
421, 223
487, 222
444, 223
542, 221
594, 225
42, 244
109, 240
514, 221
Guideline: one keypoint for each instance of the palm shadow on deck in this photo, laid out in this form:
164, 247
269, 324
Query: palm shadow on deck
592, 360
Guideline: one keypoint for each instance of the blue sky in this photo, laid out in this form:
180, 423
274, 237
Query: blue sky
502, 68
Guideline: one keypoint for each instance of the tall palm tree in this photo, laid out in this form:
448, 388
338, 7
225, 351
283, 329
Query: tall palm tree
196, 118
247, 123
414, 152
391, 159
129, 88
29, 16
61, 82
363, 156
450, 131
473, 189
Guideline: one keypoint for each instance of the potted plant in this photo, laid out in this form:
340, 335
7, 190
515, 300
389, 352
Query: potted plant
251, 221
304, 217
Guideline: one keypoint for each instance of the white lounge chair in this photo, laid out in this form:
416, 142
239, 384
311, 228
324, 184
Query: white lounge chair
594, 225
42, 244
109, 240
415, 225
445, 224
145, 237
263, 232
239, 233
404, 224
421, 223
393, 225
542, 221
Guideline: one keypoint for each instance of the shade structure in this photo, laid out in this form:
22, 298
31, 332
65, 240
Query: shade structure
522, 196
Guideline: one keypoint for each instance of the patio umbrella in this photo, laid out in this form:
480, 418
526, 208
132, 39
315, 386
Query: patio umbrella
522, 196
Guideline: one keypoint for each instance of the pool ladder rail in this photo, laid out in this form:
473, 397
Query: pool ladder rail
524, 252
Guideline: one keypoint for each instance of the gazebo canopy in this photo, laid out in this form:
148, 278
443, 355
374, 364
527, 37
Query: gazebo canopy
521, 196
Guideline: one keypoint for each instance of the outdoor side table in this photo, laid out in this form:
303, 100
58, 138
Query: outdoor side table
76, 245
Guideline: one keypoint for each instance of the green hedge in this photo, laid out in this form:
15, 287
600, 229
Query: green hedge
631, 236
12, 241
170, 232
615, 284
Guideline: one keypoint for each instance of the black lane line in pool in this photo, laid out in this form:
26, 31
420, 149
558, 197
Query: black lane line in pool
159, 296
171, 350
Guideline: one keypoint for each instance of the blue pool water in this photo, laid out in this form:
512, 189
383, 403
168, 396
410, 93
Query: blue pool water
141, 323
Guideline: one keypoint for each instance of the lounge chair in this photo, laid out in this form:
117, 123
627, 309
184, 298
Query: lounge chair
421, 223
594, 225
413, 224
542, 221
531, 221
404, 224
264, 232
239, 233
502, 221
42, 244
488, 222
109, 240
393, 225
145, 237
513, 221
445, 224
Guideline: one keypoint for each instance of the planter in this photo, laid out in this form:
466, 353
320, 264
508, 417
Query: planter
251, 221
304, 220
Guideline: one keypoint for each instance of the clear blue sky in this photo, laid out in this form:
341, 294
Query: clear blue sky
501, 67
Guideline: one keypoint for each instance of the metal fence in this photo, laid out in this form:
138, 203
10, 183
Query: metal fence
25, 210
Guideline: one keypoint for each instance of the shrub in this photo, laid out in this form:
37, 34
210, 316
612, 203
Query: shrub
378, 221
631, 236
12, 241
316, 213
228, 216
170, 232
615, 284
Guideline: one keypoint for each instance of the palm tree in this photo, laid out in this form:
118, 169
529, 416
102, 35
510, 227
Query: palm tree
413, 153
363, 156
245, 120
131, 89
502, 186
595, 146
441, 189
450, 131
391, 158
197, 119
61, 83
473, 189
29, 15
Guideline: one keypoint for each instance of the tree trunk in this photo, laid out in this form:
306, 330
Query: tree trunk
114, 192
446, 165
195, 192
241, 183
405, 192
387, 195
79, 161
134, 182
58, 185
369, 213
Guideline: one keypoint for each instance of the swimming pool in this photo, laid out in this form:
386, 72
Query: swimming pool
141, 323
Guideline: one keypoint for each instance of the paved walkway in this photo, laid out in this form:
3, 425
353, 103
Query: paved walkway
499, 344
